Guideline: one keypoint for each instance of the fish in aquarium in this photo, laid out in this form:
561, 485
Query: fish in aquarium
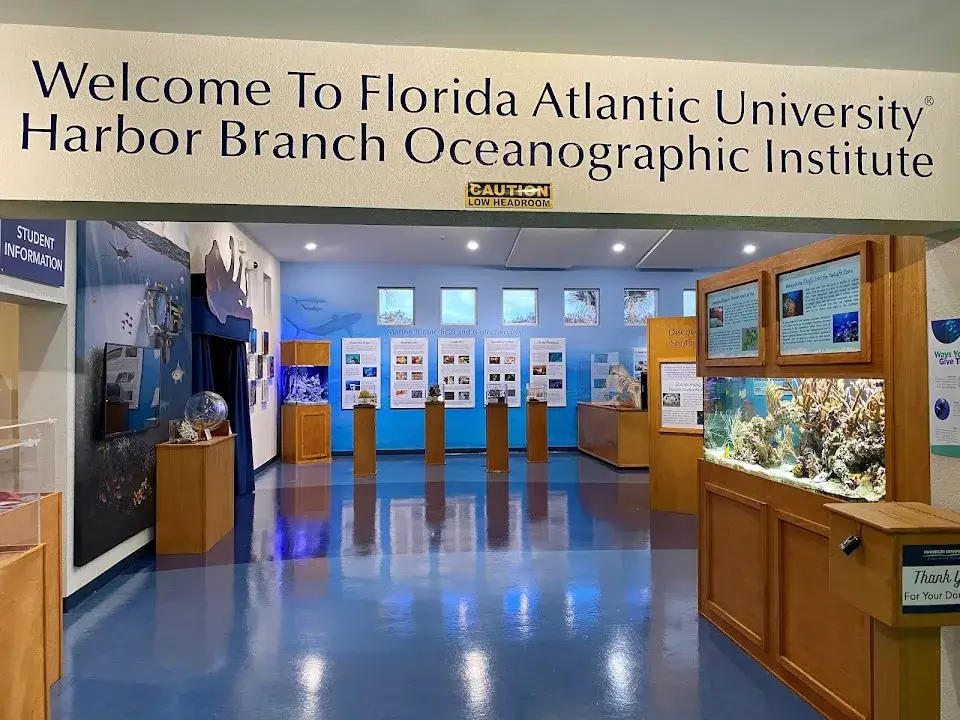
822, 434
305, 385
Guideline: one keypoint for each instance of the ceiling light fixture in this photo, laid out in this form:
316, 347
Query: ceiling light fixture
749, 249
473, 245
311, 246
619, 247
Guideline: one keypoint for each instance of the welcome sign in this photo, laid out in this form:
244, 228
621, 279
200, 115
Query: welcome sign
108, 116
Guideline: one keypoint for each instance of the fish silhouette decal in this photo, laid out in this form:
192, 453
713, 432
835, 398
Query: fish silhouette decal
336, 323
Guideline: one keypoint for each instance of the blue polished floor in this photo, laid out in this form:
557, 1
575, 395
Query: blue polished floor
437, 593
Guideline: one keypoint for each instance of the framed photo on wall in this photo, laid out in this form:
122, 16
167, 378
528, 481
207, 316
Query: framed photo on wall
639, 305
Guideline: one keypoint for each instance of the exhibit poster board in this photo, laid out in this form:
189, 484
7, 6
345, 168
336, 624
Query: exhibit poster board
681, 396
733, 322
359, 369
501, 368
408, 373
548, 368
124, 368
640, 360
600, 366
943, 347
456, 371
819, 308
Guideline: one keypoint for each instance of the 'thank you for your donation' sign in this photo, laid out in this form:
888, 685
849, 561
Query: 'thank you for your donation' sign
109, 116
931, 578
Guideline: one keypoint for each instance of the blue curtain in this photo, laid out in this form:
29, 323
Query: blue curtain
220, 365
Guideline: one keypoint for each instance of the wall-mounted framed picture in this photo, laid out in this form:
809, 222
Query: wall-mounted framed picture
266, 342
252, 342
639, 305
252, 393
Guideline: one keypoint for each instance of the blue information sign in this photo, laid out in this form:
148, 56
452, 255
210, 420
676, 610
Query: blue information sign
33, 250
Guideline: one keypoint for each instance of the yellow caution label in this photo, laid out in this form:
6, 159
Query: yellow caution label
508, 196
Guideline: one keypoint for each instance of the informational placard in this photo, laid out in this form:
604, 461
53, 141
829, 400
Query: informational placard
639, 361
359, 370
548, 368
819, 308
681, 396
600, 366
943, 345
931, 579
733, 322
408, 372
501, 368
456, 371
34, 250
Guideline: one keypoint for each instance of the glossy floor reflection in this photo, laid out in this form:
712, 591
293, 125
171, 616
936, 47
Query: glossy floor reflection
421, 593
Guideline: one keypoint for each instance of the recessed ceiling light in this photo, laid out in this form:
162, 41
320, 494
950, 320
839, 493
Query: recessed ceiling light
619, 247
749, 249
473, 245
310, 246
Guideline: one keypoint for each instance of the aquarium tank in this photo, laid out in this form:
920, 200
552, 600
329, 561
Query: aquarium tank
304, 384
825, 435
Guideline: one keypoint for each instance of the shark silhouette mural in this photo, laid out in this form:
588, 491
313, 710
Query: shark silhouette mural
225, 296
336, 323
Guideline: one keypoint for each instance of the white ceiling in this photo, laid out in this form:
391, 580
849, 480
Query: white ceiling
519, 248
906, 34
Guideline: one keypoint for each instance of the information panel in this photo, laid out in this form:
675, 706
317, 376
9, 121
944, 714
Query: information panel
943, 345
639, 361
600, 366
359, 369
931, 579
819, 308
408, 372
456, 371
681, 396
502, 368
548, 368
733, 322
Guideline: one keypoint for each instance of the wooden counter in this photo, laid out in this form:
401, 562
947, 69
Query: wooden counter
22, 685
195, 492
617, 435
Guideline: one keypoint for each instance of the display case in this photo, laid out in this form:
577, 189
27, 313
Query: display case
819, 434
304, 384
305, 414
27, 469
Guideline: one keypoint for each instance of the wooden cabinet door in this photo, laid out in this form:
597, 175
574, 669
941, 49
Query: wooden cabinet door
313, 436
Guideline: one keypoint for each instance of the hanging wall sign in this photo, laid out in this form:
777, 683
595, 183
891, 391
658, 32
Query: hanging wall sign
455, 371
408, 372
33, 250
501, 368
548, 368
360, 370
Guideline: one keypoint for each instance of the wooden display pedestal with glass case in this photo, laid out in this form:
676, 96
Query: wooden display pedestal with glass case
305, 417
815, 384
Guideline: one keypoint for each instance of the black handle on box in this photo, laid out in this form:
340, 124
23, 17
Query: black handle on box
850, 545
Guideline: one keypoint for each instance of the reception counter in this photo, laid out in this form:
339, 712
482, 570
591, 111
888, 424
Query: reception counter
617, 435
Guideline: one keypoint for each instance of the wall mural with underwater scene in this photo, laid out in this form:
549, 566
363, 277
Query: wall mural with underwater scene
133, 292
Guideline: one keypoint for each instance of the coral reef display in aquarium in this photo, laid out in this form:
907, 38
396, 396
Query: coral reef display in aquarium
820, 434
305, 384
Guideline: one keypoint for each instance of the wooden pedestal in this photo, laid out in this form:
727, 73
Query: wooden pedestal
498, 448
195, 491
536, 431
434, 441
305, 433
364, 440
23, 688
906, 627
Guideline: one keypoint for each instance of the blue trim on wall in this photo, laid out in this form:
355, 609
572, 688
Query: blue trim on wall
134, 562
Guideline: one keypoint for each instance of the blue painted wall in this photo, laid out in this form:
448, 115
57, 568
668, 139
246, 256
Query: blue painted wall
330, 302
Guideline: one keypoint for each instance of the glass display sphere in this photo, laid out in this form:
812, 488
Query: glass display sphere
206, 411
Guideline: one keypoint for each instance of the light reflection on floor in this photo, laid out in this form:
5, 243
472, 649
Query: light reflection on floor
423, 592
